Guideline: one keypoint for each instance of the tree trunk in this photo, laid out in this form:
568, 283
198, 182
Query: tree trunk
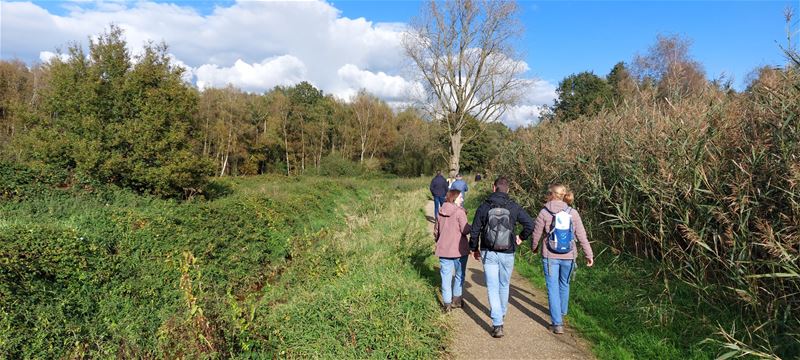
227, 152
455, 153
363, 147
286, 144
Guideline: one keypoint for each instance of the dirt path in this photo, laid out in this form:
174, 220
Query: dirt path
525, 325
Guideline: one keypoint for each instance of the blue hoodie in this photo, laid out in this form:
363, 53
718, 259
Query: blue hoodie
460, 185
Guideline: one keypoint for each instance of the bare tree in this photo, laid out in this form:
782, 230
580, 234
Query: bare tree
669, 64
463, 51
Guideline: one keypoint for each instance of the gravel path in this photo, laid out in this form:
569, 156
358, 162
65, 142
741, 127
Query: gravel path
525, 325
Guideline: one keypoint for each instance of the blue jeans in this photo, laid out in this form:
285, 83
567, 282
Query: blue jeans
497, 268
557, 274
447, 268
437, 202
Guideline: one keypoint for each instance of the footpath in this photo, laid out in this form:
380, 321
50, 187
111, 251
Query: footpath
525, 327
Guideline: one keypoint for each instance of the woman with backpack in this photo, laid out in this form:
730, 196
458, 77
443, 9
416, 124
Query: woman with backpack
450, 233
561, 225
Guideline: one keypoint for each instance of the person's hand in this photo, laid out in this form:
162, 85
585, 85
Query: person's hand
476, 254
589, 262
519, 240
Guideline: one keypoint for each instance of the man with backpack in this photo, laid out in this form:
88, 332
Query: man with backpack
492, 240
439, 191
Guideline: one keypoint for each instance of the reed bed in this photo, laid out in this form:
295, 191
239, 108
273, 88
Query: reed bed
707, 186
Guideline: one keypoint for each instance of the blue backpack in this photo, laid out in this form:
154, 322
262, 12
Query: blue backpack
562, 233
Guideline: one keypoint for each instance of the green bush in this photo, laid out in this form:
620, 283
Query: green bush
336, 165
102, 274
110, 119
111, 273
18, 181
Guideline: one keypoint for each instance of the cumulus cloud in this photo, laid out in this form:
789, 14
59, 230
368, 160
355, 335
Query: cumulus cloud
541, 93
46, 56
385, 86
253, 45
242, 39
281, 70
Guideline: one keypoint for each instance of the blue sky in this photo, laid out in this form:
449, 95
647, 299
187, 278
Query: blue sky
342, 46
564, 37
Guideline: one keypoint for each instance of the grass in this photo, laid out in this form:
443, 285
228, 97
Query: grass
621, 307
278, 267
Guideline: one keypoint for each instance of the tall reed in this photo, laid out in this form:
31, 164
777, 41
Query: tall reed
707, 186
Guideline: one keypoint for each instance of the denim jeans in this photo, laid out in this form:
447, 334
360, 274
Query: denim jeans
557, 274
450, 286
437, 202
497, 268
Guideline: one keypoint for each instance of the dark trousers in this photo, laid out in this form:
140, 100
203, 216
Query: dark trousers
437, 202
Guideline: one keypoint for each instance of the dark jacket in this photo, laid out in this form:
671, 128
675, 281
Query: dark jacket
518, 215
439, 186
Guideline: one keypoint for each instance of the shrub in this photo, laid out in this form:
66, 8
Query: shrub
337, 165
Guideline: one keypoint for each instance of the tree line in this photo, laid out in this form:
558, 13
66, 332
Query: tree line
107, 116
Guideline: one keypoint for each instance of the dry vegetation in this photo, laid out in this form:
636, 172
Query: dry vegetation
702, 180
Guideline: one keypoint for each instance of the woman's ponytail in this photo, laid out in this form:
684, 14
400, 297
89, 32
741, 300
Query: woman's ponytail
560, 192
569, 197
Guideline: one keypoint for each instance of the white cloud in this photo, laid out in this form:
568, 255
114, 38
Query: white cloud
46, 56
380, 84
253, 45
240, 44
281, 70
541, 93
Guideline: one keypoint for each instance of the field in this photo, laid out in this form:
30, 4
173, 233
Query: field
273, 266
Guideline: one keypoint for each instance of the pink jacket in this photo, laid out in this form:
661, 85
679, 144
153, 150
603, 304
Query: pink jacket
450, 231
543, 226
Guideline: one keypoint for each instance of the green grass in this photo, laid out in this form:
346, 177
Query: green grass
276, 268
620, 305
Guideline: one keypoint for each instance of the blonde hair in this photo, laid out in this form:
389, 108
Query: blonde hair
560, 192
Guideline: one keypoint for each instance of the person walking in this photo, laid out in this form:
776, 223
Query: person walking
460, 185
438, 190
492, 241
450, 233
560, 225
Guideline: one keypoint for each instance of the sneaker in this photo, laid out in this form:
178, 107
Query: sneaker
447, 307
558, 329
456, 302
497, 331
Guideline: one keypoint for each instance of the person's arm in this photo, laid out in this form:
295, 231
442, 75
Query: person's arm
436, 230
527, 224
538, 229
463, 225
477, 226
580, 233
432, 183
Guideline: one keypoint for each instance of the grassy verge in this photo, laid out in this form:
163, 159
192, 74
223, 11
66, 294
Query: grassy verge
278, 267
620, 306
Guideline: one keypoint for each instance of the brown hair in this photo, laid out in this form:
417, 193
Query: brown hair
560, 192
501, 184
452, 195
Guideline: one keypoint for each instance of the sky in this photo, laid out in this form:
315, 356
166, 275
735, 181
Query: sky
343, 46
